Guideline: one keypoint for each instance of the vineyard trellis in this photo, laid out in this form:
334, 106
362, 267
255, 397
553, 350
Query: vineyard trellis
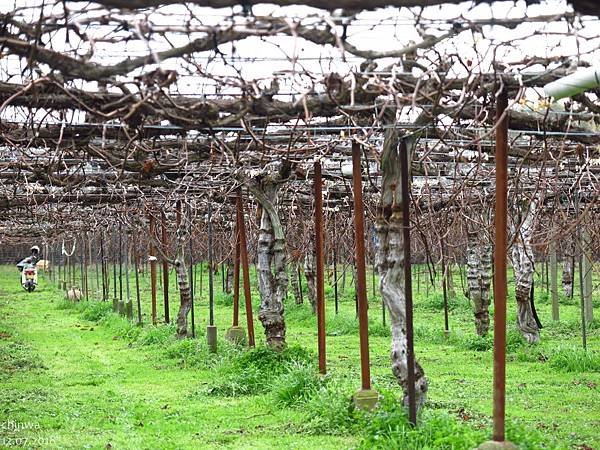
160, 117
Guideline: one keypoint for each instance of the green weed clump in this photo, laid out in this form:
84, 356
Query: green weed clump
193, 353
574, 359
223, 299
254, 371
121, 327
542, 297
301, 314
95, 311
297, 385
156, 334
527, 438
514, 341
477, 343
330, 411
342, 325
379, 329
388, 427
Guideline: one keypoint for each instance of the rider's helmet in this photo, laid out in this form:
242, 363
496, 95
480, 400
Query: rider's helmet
35, 249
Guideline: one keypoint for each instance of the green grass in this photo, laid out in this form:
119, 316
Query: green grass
86, 378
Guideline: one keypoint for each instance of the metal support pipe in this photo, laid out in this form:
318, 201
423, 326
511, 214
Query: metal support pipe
579, 249
299, 275
211, 280
85, 267
137, 286
236, 279
335, 278
192, 284
165, 265
359, 236
320, 287
120, 261
114, 273
445, 286
152, 258
500, 250
554, 281
127, 289
245, 271
410, 351
58, 263
223, 277
103, 267
96, 275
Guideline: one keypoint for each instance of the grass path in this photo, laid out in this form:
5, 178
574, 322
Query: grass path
95, 392
77, 384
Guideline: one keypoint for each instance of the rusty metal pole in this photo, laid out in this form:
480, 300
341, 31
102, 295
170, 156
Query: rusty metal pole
120, 262
236, 279
103, 266
152, 258
500, 250
192, 282
445, 287
245, 271
319, 238
211, 281
211, 329
85, 266
137, 284
359, 235
335, 277
410, 351
165, 266
579, 249
236, 334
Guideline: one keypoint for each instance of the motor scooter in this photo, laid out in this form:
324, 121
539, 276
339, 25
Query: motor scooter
29, 277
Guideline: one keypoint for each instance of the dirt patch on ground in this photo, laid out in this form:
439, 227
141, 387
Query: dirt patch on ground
4, 335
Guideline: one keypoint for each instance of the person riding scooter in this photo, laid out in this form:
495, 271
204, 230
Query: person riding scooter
28, 269
33, 259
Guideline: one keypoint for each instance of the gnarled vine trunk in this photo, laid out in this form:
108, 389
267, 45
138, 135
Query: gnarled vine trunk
185, 294
390, 264
295, 284
522, 261
229, 277
567, 274
479, 264
310, 273
272, 283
